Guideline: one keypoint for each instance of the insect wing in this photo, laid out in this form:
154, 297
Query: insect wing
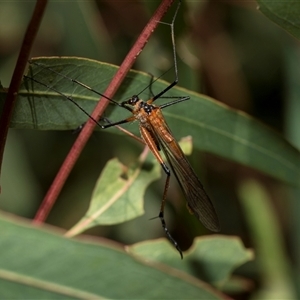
197, 199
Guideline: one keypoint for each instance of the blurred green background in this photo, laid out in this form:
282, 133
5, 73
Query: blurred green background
227, 50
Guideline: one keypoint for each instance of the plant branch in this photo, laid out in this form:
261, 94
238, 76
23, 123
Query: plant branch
17, 77
86, 132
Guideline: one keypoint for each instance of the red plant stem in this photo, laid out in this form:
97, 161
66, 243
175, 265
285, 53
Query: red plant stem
86, 132
17, 77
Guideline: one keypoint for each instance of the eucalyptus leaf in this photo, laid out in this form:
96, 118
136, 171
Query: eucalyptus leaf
215, 127
38, 263
286, 14
212, 258
119, 193
264, 228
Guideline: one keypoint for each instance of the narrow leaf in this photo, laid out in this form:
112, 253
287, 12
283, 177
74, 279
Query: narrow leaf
274, 263
215, 127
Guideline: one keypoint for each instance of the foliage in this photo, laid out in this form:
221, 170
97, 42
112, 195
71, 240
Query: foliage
246, 62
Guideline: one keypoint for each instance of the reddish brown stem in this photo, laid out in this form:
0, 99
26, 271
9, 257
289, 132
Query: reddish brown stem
16, 80
86, 132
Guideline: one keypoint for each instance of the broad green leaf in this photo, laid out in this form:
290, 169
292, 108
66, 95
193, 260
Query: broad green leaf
286, 14
118, 194
38, 263
215, 127
216, 256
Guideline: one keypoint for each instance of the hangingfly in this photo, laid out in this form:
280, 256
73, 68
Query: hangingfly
157, 136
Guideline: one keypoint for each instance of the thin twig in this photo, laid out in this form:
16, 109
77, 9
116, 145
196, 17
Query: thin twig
86, 132
16, 80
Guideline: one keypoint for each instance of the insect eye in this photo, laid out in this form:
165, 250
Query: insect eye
133, 100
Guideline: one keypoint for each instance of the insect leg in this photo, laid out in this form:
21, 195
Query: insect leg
72, 80
174, 55
110, 124
130, 119
64, 96
152, 144
162, 208
181, 99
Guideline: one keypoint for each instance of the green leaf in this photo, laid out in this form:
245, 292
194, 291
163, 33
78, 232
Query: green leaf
215, 256
38, 263
238, 285
119, 193
269, 243
286, 14
215, 127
